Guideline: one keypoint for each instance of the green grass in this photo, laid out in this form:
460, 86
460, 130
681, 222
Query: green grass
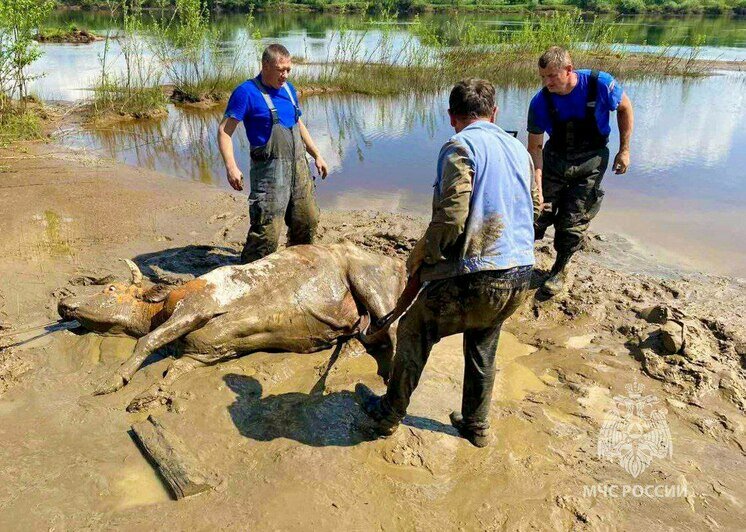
462, 49
114, 97
213, 87
18, 122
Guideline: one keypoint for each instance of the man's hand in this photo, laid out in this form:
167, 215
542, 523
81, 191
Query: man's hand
235, 178
321, 166
416, 257
537, 180
621, 162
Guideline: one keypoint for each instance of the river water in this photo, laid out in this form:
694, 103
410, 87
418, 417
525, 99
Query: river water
682, 197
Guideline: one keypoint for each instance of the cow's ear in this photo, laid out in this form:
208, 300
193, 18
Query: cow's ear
156, 293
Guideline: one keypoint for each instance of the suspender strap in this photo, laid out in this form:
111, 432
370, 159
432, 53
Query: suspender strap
268, 100
590, 104
295, 105
553, 113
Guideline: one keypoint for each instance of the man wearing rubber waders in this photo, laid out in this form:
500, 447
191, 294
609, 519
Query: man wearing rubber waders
282, 190
474, 262
573, 108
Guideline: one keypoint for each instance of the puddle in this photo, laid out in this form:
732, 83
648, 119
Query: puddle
56, 242
579, 342
515, 380
138, 485
596, 402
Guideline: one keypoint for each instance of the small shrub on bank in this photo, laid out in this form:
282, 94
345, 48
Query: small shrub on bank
631, 6
18, 122
115, 97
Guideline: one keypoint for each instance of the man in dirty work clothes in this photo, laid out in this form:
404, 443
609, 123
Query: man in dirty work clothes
475, 261
573, 109
282, 191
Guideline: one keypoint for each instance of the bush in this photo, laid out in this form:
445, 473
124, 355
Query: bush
17, 122
631, 6
715, 7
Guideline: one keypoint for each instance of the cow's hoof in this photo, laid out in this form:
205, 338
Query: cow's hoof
153, 396
110, 385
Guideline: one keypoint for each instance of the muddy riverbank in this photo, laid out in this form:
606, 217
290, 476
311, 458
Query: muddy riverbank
282, 429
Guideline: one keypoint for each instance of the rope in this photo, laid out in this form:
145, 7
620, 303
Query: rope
61, 325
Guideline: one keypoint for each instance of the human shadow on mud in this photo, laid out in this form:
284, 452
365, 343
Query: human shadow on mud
184, 263
313, 419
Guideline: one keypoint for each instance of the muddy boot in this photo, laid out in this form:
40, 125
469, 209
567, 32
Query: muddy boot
477, 437
371, 405
557, 276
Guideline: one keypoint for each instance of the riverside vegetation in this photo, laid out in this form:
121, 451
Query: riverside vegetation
188, 53
713, 7
177, 44
18, 22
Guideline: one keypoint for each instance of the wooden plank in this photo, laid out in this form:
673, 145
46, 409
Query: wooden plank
177, 465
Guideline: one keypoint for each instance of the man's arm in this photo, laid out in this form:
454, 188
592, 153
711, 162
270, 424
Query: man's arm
535, 148
225, 144
626, 121
535, 200
450, 213
312, 150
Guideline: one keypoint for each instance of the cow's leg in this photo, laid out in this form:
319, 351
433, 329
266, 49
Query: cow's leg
184, 320
377, 286
160, 392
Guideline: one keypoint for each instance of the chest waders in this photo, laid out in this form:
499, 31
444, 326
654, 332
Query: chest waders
575, 159
282, 191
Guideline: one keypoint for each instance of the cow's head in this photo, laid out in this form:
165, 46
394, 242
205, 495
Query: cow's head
119, 309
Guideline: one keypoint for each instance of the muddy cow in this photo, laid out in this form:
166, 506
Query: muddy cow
300, 299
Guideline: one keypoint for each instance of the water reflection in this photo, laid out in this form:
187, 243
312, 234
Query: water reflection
688, 149
69, 70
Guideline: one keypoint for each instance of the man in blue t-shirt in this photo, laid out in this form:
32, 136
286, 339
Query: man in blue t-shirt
282, 191
573, 108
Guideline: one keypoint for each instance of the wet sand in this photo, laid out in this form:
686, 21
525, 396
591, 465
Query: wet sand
283, 430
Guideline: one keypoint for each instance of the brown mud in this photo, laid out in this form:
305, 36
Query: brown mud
283, 430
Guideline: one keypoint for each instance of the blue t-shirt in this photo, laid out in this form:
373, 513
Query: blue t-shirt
247, 104
573, 105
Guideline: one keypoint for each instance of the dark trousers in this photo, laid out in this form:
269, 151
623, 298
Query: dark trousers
476, 305
573, 188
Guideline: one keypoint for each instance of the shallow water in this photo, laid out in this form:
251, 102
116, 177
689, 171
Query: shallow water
683, 193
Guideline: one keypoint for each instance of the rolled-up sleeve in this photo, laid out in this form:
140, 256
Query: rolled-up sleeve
451, 203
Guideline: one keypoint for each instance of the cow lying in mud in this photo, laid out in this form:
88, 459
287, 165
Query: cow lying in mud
300, 299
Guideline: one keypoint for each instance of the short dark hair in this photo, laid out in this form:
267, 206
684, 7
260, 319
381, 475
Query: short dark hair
273, 52
472, 98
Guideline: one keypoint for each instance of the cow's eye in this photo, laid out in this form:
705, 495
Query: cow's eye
112, 288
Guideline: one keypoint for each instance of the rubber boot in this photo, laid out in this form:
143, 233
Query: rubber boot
557, 276
477, 437
371, 405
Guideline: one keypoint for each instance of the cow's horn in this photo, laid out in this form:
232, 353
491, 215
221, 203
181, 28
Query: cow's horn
136, 273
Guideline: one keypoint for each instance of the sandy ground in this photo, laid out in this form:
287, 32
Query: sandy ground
282, 430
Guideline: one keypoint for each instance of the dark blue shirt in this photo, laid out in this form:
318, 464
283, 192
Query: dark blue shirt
573, 105
247, 104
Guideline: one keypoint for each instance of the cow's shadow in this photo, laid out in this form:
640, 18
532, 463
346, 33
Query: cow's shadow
184, 263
